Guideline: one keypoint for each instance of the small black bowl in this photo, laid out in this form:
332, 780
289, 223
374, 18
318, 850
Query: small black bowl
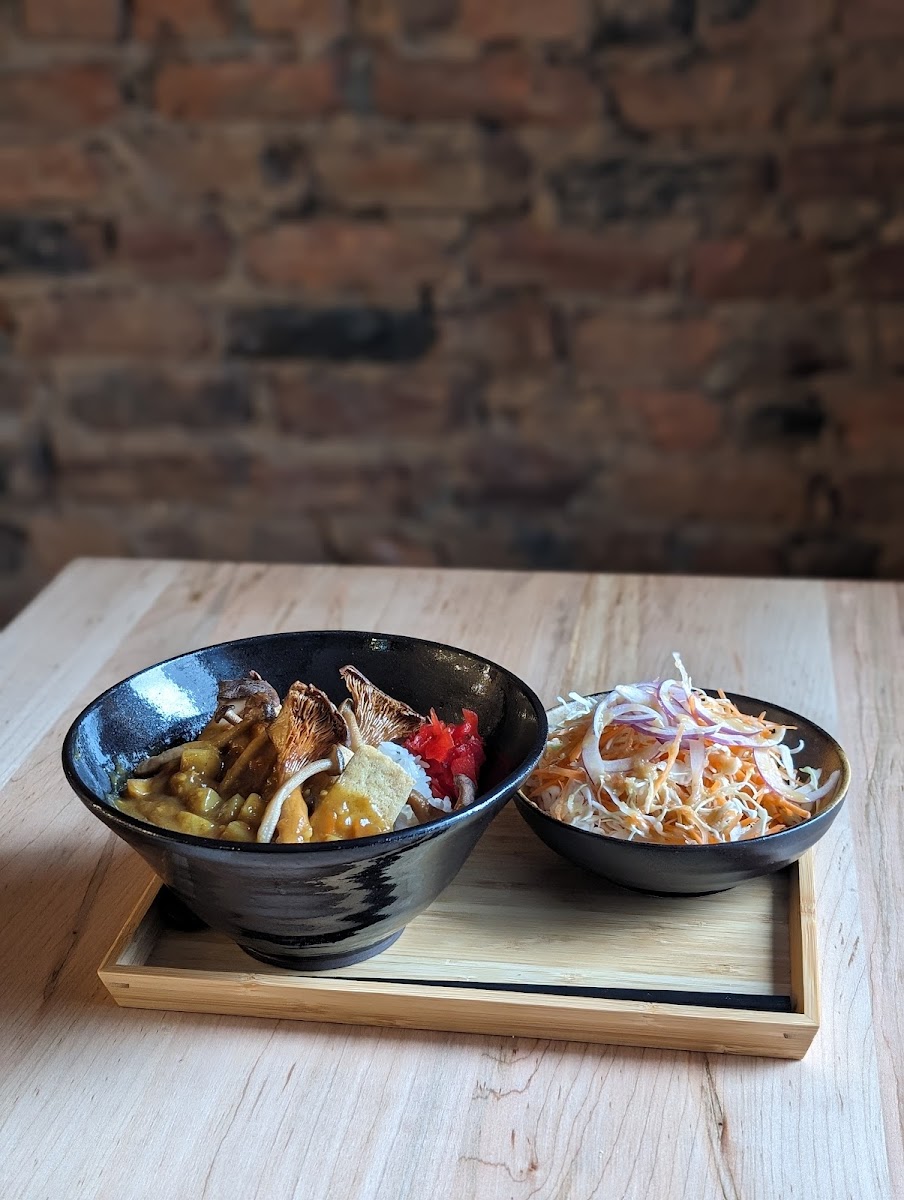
698, 870
321, 905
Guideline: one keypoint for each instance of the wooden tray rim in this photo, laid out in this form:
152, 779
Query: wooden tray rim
472, 1008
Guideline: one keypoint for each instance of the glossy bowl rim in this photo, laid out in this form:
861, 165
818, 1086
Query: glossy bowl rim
693, 848
377, 843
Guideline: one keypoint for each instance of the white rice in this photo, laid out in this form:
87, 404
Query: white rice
420, 782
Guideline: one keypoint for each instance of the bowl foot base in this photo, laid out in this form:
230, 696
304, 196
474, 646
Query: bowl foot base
322, 962
675, 895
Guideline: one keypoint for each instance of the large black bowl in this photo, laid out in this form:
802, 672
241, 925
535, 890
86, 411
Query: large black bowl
315, 906
697, 870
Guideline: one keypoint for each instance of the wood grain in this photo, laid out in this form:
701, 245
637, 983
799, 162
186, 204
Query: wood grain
518, 913
520, 918
98, 1101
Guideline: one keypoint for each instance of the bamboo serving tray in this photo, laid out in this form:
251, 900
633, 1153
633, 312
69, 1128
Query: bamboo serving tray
523, 943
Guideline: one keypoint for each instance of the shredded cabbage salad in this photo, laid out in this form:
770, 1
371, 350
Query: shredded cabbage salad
664, 762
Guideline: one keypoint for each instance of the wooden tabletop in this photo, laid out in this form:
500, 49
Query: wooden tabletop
97, 1101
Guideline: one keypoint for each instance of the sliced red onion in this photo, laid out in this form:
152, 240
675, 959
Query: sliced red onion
768, 768
672, 706
748, 740
630, 713
724, 736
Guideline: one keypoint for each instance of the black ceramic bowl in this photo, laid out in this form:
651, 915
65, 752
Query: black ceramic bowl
697, 870
320, 905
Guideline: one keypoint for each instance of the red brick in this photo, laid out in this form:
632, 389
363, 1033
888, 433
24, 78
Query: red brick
760, 268
506, 85
39, 245
13, 548
510, 538
396, 402
25, 465
766, 21
737, 95
15, 388
567, 260
8, 323
870, 418
834, 555
872, 18
623, 349
844, 169
838, 221
869, 84
671, 420
92, 20
619, 545
299, 476
404, 18
778, 342
182, 18
35, 175
64, 97
108, 468
304, 18
270, 537
238, 90
684, 488
455, 173
890, 334
542, 20
501, 469
874, 497
188, 530
507, 332
166, 250
81, 323
55, 538
150, 397
219, 162
362, 538
879, 272
329, 256
531, 402
638, 21
737, 549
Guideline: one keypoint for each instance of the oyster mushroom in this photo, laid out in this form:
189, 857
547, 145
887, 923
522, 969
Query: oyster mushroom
250, 698
347, 713
465, 792
252, 764
379, 717
305, 734
422, 808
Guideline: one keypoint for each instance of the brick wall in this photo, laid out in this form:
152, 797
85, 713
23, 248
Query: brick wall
491, 282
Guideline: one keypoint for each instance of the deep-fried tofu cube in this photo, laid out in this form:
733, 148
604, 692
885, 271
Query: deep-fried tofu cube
371, 784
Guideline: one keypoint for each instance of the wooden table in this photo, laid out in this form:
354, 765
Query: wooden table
96, 1101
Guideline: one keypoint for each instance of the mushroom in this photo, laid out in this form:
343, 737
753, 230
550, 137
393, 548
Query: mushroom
305, 734
347, 713
422, 808
379, 717
465, 792
241, 704
248, 698
254, 762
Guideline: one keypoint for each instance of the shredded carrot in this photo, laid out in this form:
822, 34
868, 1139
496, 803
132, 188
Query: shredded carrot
671, 764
